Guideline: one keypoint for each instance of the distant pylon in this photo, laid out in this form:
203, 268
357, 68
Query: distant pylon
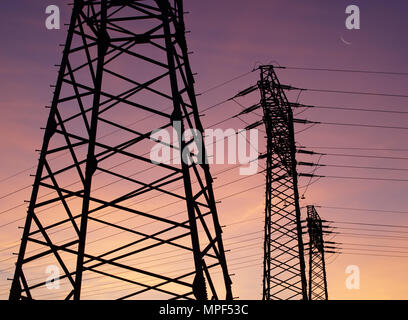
317, 266
284, 265
124, 60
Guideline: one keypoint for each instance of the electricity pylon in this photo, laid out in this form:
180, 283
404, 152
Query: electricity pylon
317, 266
123, 60
284, 265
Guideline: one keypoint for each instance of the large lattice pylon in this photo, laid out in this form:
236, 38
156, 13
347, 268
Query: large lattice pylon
100, 211
284, 265
317, 267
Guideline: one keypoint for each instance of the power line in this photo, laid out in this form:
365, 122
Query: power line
311, 177
361, 125
353, 155
139, 120
363, 178
152, 266
305, 129
137, 202
360, 148
375, 250
353, 92
354, 223
302, 121
379, 236
184, 254
252, 239
113, 182
129, 286
206, 109
369, 178
162, 257
105, 237
350, 109
362, 209
179, 261
89, 293
139, 259
363, 167
372, 230
351, 177
108, 286
226, 82
373, 245
342, 70
373, 255
353, 253
26, 187
372, 224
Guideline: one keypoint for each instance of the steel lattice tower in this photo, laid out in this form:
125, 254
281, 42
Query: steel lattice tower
284, 266
123, 60
317, 267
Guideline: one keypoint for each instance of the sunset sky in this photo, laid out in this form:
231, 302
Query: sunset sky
229, 39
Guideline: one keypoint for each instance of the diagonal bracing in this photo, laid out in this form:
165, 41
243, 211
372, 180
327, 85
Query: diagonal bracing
317, 265
284, 266
124, 60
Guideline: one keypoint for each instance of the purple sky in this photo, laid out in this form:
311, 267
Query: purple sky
229, 38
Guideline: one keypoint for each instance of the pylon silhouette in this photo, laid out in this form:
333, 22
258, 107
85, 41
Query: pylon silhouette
284, 275
317, 265
123, 61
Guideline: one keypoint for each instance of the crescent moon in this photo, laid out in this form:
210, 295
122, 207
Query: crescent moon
344, 41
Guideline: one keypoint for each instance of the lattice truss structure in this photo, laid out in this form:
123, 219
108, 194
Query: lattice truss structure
109, 219
284, 266
317, 268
